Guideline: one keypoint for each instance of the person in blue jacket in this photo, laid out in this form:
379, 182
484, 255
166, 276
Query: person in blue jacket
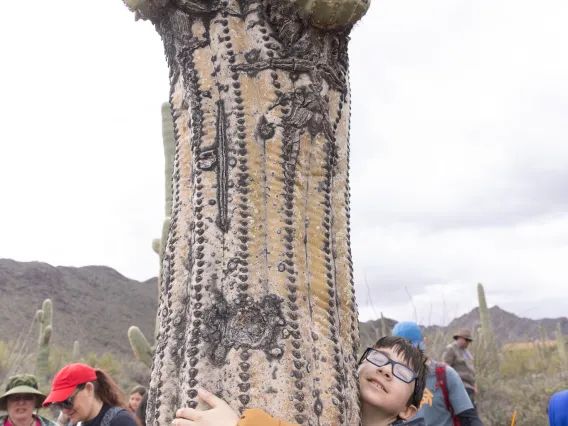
558, 409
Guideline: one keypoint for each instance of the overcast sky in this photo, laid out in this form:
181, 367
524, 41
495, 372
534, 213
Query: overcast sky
459, 149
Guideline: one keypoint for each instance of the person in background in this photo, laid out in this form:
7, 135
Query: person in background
558, 409
136, 395
21, 400
460, 359
89, 396
141, 411
445, 400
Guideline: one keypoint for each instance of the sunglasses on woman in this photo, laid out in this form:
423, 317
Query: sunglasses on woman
68, 403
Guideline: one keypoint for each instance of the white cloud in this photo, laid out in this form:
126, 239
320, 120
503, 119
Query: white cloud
458, 148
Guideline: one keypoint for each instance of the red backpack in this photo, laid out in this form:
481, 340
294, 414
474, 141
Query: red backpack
442, 383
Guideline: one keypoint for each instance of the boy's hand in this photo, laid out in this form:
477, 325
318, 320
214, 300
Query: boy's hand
221, 414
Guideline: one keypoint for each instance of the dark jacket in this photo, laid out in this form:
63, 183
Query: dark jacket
112, 416
415, 421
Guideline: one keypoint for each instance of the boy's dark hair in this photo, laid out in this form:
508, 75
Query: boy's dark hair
414, 357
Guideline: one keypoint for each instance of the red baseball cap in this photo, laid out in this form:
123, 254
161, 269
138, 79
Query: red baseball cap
67, 379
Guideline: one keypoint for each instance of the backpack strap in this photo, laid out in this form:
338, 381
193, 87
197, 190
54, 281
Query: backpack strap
442, 383
110, 414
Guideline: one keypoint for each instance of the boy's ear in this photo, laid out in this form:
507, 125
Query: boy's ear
408, 413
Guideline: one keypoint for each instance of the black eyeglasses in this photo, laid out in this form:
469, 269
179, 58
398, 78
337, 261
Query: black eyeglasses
68, 403
380, 359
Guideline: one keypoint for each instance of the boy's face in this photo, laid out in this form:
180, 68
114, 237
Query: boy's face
381, 389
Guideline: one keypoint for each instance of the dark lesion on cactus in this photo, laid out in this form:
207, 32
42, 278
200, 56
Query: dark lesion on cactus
244, 324
216, 158
264, 129
309, 109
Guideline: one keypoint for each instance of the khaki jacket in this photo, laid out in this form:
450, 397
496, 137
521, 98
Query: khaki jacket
462, 361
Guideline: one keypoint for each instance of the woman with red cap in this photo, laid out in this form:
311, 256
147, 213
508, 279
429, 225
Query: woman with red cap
89, 396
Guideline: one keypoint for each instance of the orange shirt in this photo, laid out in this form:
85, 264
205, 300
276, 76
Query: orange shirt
257, 417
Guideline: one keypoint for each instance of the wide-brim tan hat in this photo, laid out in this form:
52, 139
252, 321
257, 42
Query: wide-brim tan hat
464, 333
22, 384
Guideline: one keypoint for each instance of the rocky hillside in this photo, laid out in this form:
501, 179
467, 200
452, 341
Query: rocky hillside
96, 305
507, 327
92, 304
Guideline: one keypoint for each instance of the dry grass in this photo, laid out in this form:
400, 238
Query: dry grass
526, 345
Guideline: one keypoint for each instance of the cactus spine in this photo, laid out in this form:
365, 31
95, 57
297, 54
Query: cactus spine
44, 317
487, 338
140, 346
561, 345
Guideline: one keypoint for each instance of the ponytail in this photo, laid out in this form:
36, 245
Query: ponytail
108, 391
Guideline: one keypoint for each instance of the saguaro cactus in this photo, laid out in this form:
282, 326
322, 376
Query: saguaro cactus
257, 300
168, 139
158, 245
487, 337
76, 355
44, 317
140, 346
561, 346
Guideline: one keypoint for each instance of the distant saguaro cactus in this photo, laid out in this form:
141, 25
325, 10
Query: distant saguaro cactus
168, 140
44, 317
487, 337
76, 355
137, 339
542, 346
140, 346
561, 345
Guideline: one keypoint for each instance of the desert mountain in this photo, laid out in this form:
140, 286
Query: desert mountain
507, 327
94, 305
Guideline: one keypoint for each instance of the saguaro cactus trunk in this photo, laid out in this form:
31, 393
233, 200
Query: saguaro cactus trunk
44, 317
487, 336
257, 300
561, 346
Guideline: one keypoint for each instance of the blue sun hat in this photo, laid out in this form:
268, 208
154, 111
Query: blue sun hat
410, 331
